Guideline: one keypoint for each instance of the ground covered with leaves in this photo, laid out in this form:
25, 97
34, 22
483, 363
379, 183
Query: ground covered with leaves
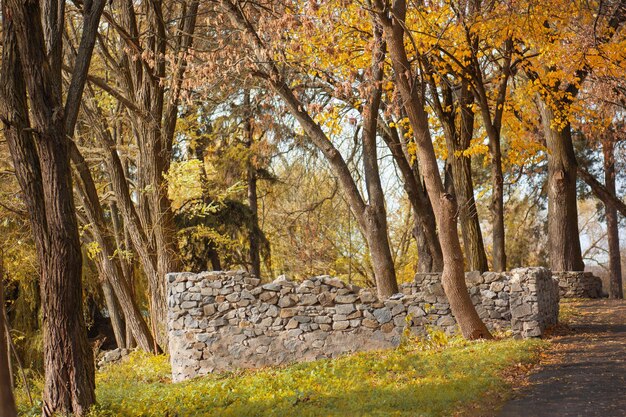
420, 379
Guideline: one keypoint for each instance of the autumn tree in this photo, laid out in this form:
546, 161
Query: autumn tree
392, 18
38, 124
601, 128
141, 66
573, 32
370, 214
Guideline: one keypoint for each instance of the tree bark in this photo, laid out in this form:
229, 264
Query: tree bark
112, 270
115, 315
251, 179
7, 402
458, 140
30, 65
375, 213
444, 205
612, 224
123, 246
425, 229
493, 128
564, 241
563, 235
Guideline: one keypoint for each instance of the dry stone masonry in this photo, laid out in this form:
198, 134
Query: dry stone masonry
578, 284
226, 320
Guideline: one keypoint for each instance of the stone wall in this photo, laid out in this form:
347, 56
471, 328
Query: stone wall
578, 284
225, 320
534, 302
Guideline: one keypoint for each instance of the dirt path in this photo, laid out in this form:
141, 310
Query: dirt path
585, 375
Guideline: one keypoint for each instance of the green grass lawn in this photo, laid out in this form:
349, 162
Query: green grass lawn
411, 381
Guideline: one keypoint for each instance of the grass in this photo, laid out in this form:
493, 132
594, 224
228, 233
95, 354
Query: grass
419, 380
568, 310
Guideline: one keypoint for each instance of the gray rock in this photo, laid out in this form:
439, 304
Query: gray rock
286, 301
383, 315
474, 278
367, 296
346, 299
345, 309
188, 304
272, 286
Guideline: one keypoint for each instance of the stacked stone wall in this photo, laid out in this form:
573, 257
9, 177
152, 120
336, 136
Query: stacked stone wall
226, 320
578, 284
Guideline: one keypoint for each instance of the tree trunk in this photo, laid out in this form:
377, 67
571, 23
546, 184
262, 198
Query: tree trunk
425, 230
69, 388
112, 270
121, 242
68, 358
457, 141
375, 213
444, 205
115, 315
386, 283
497, 206
253, 235
251, 179
612, 224
7, 402
493, 126
563, 235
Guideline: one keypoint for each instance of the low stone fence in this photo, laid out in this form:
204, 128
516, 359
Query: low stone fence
226, 320
578, 284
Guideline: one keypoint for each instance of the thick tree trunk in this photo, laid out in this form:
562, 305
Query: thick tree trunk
444, 205
68, 358
563, 235
7, 402
612, 224
68, 388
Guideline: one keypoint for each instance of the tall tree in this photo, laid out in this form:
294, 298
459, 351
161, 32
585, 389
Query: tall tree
251, 179
392, 18
145, 60
370, 214
31, 67
612, 222
453, 106
429, 254
558, 87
